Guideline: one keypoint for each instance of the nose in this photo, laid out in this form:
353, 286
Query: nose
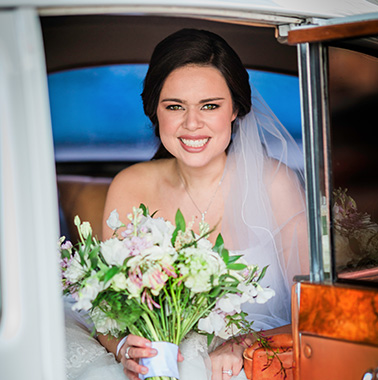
192, 120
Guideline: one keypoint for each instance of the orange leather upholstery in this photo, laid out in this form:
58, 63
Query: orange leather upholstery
84, 196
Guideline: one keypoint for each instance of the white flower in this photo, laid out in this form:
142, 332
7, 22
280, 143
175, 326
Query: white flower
151, 255
230, 303
104, 324
136, 216
77, 221
205, 244
86, 229
75, 272
213, 323
264, 294
88, 293
68, 246
114, 251
199, 267
160, 230
134, 289
248, 292
113, 221
119, 282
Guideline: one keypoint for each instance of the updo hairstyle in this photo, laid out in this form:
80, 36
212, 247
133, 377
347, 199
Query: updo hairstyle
194, 47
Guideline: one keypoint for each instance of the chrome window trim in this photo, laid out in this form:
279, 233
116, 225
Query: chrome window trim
246, 17
312, 64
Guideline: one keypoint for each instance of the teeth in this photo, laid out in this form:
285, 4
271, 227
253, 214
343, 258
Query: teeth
195, 143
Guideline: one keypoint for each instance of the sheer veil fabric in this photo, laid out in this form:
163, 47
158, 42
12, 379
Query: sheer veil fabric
264, 216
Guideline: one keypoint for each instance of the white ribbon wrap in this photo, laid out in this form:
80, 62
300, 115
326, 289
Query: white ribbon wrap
164, 363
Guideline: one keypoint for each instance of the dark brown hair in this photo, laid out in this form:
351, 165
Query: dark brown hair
194, 47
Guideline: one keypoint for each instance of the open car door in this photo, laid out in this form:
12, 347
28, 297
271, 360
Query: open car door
31, 311
336, 312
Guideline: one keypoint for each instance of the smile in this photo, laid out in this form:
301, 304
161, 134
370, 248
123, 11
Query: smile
195, 143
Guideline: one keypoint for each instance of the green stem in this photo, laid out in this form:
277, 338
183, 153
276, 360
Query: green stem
177, 315
150, 327
163, 316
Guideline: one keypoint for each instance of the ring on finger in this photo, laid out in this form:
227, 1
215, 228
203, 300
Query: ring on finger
228, 372
127, 356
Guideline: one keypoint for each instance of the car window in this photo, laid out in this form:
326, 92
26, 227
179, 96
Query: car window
97, 112
353, 103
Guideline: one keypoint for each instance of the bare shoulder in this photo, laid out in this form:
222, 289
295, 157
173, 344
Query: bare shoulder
280, 176
285, 189
135, 185
138, 175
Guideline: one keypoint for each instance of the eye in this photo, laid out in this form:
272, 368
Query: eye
210, 106
174, 107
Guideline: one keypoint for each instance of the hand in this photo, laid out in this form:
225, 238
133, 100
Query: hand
136, 348
228, 356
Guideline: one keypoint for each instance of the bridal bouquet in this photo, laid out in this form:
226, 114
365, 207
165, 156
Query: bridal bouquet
160, 281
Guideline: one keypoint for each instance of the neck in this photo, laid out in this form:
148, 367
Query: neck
203, 177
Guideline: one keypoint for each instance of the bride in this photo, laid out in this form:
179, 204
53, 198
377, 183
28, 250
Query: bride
223, 158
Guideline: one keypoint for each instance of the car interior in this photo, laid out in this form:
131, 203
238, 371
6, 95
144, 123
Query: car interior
323, 74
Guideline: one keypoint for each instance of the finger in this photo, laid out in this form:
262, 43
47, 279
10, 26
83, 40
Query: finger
227, 373
133, 367
180, 358
137, 353
216, 373
130, 375
134, 340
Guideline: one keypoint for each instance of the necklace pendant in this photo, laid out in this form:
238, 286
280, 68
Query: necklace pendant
203, 216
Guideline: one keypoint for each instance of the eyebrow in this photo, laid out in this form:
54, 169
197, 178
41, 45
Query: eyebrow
176, 100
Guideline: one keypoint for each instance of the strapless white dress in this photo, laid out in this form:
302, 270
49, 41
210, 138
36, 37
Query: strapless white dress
87, 359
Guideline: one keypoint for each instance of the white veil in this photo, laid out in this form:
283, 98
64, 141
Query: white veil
264, 216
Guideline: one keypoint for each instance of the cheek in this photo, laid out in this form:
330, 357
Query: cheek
167, 122
166, 127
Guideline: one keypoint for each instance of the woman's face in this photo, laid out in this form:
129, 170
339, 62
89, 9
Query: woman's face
195, 112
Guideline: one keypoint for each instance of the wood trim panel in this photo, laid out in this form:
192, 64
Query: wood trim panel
323, 359
332, 32
339, 312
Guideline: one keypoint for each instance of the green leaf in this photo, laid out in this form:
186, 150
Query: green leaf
110, 273
180, 221
180, 226
174, 236
65, 254
262, 274
215, 292
82, 255
210, 338
144, 209
236, 266
154, 213
234, 258
225, 255
219, 244
93, 257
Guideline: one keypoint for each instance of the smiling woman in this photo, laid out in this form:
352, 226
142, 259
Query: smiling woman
193, 106
196, 97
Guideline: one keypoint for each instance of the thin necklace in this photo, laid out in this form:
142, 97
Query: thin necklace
203, 213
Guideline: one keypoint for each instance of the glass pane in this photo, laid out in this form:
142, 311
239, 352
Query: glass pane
97, 112
353, 105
